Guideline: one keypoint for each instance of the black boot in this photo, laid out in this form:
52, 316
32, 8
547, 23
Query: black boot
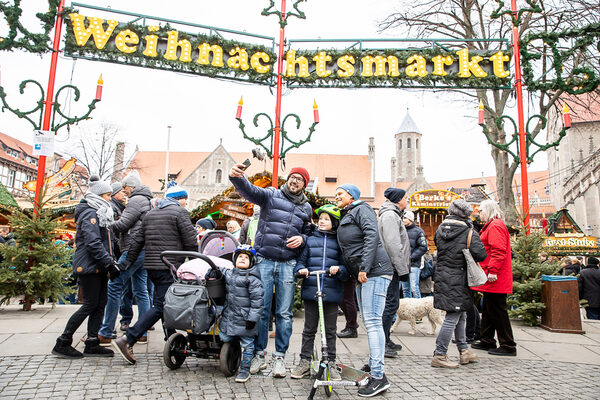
64, 349
348, 333
93, 349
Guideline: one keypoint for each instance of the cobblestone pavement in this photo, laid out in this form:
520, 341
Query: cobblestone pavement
38, 377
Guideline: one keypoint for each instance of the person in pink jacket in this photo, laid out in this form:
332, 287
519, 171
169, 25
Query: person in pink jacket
498, 267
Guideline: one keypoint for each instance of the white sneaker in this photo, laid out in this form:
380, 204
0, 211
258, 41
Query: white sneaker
279, 370
258, 364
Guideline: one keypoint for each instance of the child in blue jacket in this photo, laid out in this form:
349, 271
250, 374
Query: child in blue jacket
321, 251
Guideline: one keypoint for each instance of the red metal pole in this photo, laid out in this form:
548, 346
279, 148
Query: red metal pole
277, 131
48, 104
521, 122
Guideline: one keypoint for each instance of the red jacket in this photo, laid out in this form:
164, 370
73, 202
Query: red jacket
496, 240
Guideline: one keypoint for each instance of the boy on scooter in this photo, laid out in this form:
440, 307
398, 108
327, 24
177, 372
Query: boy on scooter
321, 252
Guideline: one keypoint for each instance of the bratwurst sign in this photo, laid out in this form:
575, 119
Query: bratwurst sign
164, 47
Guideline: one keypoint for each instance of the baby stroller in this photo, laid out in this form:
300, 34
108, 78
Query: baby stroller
194, 304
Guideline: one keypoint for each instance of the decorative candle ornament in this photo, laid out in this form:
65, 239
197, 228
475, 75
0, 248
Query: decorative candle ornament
566, 116
316, 111
238, 115
480, 112
99, 88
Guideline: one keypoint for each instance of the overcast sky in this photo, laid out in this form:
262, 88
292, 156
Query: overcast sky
143, 102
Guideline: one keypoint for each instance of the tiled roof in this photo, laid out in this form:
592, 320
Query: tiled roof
584, 107
19, 146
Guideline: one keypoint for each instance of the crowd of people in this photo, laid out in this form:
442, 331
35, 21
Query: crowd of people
373, 259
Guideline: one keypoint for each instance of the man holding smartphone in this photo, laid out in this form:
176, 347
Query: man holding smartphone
283, 226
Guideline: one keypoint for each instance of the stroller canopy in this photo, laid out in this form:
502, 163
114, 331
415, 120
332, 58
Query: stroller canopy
218, 243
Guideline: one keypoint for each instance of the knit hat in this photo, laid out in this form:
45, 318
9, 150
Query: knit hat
460, 208
176, 192
394, 194
409, 215
351, 189
206, 223
302, 172
593, 261
116, 188
132, 179
99, 187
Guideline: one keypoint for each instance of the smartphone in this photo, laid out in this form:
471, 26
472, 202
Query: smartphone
245, 164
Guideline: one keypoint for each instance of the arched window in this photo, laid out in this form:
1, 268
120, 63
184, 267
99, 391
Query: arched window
400, 144
408, 143
219, 176
417, 144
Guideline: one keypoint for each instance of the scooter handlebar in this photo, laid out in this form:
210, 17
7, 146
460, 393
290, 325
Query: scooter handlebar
317, 272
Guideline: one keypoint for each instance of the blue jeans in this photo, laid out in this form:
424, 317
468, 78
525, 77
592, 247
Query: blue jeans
371, 298
126, 309
592, 312
138, 276
410, 289
280, 274
247, 343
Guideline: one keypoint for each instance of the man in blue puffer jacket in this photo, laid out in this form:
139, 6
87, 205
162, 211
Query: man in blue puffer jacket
285, 222
418, 248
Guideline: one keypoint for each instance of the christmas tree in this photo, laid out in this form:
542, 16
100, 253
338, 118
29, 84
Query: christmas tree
38, 267
526, 301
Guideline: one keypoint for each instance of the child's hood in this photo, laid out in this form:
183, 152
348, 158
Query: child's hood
252, 271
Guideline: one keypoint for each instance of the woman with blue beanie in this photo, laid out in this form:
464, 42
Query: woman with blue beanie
367, 261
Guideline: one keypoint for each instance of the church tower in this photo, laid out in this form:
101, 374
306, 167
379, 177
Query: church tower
408, 151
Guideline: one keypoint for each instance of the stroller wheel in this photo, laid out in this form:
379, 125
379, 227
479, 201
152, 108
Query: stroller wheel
173, 351
230, 357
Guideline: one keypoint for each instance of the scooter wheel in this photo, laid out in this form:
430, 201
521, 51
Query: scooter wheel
328, 389
230, 357
172, 352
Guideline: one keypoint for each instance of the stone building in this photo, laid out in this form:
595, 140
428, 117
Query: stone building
575, 168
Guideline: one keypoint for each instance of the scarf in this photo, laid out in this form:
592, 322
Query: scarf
103, 209
298, 198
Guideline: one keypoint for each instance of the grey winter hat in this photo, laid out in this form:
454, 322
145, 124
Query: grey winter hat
460, 208
132, 179
116, 188
409, 215
98, 187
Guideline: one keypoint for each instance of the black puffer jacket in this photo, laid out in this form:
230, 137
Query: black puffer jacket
92, 253
418, 244
244, 301
130, 221
451, 291
359, 241
589, 285
279, 220
166, 227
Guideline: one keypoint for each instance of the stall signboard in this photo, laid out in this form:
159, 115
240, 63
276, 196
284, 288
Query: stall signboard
432, 199
571, 240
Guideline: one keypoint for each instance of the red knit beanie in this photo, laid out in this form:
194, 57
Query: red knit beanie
302, 172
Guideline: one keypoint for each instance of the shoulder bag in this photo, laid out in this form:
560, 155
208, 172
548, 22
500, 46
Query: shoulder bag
475, 274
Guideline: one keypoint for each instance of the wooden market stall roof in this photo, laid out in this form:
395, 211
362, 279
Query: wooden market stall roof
562, 222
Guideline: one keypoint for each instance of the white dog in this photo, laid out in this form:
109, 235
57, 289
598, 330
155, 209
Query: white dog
411, 309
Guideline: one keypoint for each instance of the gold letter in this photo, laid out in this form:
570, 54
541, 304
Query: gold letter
151, 42
438, 65
291, 65
321, 60
418, 66
82, 34
239, 61
255, 62
379, 62
345, 65
125, 37
465, 67
173, 43
499, 59
217, 52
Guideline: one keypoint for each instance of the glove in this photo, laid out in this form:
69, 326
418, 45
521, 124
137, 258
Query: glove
124, 265
250, 325
404, 278
214, 274
113, 271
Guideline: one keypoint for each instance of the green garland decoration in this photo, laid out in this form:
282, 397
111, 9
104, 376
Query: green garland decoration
18, 36
270, 10
533, 8
582, 79
110, 53
403, 80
